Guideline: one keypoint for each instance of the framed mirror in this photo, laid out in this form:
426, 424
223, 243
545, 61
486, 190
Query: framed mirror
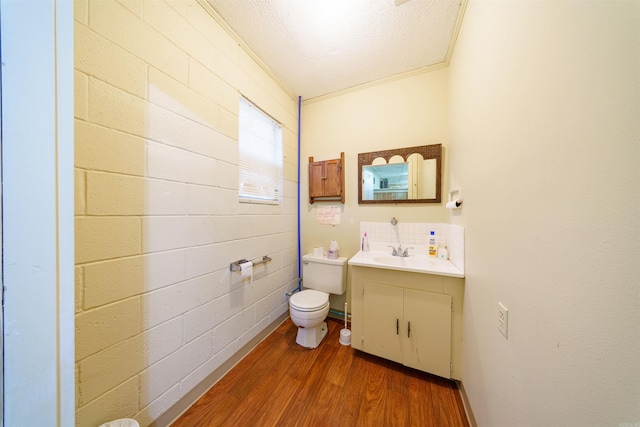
402, 175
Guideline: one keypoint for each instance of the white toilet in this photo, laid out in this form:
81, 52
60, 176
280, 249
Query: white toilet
308, 308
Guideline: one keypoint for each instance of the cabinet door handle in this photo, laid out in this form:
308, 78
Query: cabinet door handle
408, 329
397, 326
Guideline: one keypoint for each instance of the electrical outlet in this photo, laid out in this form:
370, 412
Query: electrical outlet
503, 319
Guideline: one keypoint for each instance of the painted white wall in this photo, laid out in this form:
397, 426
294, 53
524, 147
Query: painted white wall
544, 144
158, 218
541, 95
37, 144
398, 113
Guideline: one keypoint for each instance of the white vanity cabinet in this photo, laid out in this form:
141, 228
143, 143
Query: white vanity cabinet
410, 318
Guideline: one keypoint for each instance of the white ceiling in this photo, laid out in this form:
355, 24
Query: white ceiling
318, 47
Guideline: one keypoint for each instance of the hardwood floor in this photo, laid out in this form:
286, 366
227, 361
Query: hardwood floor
282, 384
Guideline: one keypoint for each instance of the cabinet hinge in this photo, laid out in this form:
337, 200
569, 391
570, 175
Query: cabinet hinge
362, 289
451, 369
452, 306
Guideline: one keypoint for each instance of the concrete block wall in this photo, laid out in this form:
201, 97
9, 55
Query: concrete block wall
157, 214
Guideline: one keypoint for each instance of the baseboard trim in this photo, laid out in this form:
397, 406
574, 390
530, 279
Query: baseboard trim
180, 407
467, 406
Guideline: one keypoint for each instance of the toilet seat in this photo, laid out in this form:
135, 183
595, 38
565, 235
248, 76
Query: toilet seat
309, 300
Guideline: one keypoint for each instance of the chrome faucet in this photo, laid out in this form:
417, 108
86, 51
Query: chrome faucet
399, 251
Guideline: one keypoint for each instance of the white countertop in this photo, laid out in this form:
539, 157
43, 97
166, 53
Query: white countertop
415, 263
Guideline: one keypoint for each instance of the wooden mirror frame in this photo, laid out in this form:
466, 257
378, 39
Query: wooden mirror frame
427, 151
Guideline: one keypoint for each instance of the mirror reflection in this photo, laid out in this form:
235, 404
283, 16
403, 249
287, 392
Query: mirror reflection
405, 175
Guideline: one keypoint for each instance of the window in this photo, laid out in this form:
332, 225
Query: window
260, 141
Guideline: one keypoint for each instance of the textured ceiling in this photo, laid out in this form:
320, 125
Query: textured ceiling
318, 47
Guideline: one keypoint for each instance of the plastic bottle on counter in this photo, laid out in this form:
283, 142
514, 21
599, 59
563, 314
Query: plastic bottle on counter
333, 250
433, 244
365, 243
443, 252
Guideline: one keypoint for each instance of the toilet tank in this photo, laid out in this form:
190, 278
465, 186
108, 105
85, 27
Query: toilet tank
324, 274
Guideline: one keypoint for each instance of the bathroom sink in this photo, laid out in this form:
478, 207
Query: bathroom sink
404, 261
418, 262
390, 260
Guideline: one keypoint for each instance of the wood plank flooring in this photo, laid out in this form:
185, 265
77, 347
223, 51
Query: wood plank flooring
282, 384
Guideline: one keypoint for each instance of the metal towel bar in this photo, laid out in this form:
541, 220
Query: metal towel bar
235, 266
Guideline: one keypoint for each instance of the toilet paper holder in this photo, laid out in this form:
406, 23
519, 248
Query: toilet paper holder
235, 266
455, 199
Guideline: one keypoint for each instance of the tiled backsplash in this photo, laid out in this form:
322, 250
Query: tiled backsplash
416, 234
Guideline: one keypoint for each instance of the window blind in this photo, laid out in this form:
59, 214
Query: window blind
260, 162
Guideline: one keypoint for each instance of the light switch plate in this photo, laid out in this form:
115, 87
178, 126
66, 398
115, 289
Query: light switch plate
503, 319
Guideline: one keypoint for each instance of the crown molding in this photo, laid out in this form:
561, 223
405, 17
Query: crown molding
454, 37
214, 14
456, 29
379, 82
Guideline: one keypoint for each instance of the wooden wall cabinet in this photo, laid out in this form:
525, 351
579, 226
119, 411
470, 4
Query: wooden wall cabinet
326, 180
410, 318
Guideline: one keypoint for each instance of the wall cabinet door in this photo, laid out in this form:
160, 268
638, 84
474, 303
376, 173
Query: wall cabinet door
408, 326
326, 179
316, 179
333, 181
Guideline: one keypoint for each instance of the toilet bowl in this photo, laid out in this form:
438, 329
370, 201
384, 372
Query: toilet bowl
308, 309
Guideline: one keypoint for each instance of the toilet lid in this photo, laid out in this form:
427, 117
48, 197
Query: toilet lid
309, 300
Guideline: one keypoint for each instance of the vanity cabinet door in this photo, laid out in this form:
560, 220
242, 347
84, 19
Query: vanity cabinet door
426, 343
408, 326
382, 321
